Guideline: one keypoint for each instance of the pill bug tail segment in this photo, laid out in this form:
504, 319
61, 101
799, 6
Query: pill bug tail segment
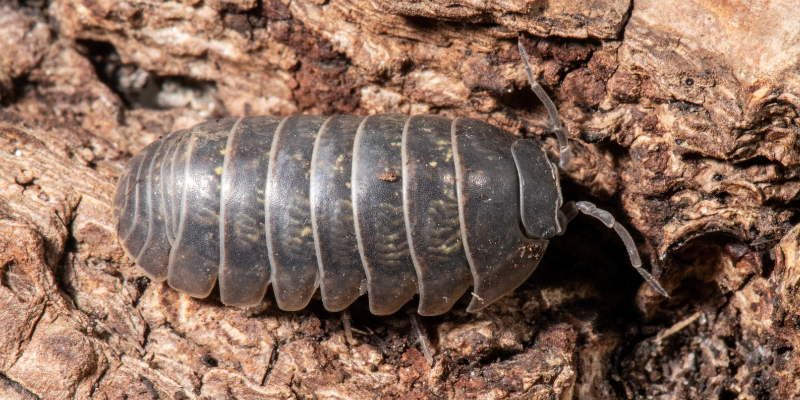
608, 220
554, 123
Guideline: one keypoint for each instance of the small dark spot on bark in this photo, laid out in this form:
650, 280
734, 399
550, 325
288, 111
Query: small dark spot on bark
718, 177
275, 10
689, 82
238, 22
209, 361
678, 142
728, 394
180, 396
149, 385
140, 282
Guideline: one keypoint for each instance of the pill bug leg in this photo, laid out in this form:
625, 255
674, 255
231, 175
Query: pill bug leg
422, 336
347, 325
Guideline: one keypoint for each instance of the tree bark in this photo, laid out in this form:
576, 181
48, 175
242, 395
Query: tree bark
683, 119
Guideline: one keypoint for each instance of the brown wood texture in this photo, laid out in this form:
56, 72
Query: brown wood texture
683, 115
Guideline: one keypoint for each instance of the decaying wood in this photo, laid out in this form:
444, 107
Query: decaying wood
684, 121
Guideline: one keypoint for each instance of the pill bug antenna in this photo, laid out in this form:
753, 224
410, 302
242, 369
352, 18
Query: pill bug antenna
608, 220
554, 124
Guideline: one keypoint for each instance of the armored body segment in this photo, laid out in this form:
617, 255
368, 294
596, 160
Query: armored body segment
342, 277
154, 256
431, 213
170, 146
244, 270
380, 224
127, 200
194, 260
137, 233
500, 256
290, 236
177, 181
540, 192
121, 194
122, 197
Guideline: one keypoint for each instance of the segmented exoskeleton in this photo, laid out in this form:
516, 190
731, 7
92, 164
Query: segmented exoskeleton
387, 205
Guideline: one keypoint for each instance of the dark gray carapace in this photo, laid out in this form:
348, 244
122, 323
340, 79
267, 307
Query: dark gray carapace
387, 205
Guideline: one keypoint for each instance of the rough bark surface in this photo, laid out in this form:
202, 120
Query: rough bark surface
683, 116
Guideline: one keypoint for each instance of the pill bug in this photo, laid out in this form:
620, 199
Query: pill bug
388, 205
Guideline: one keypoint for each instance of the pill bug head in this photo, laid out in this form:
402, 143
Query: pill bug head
540, 190
542, 212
